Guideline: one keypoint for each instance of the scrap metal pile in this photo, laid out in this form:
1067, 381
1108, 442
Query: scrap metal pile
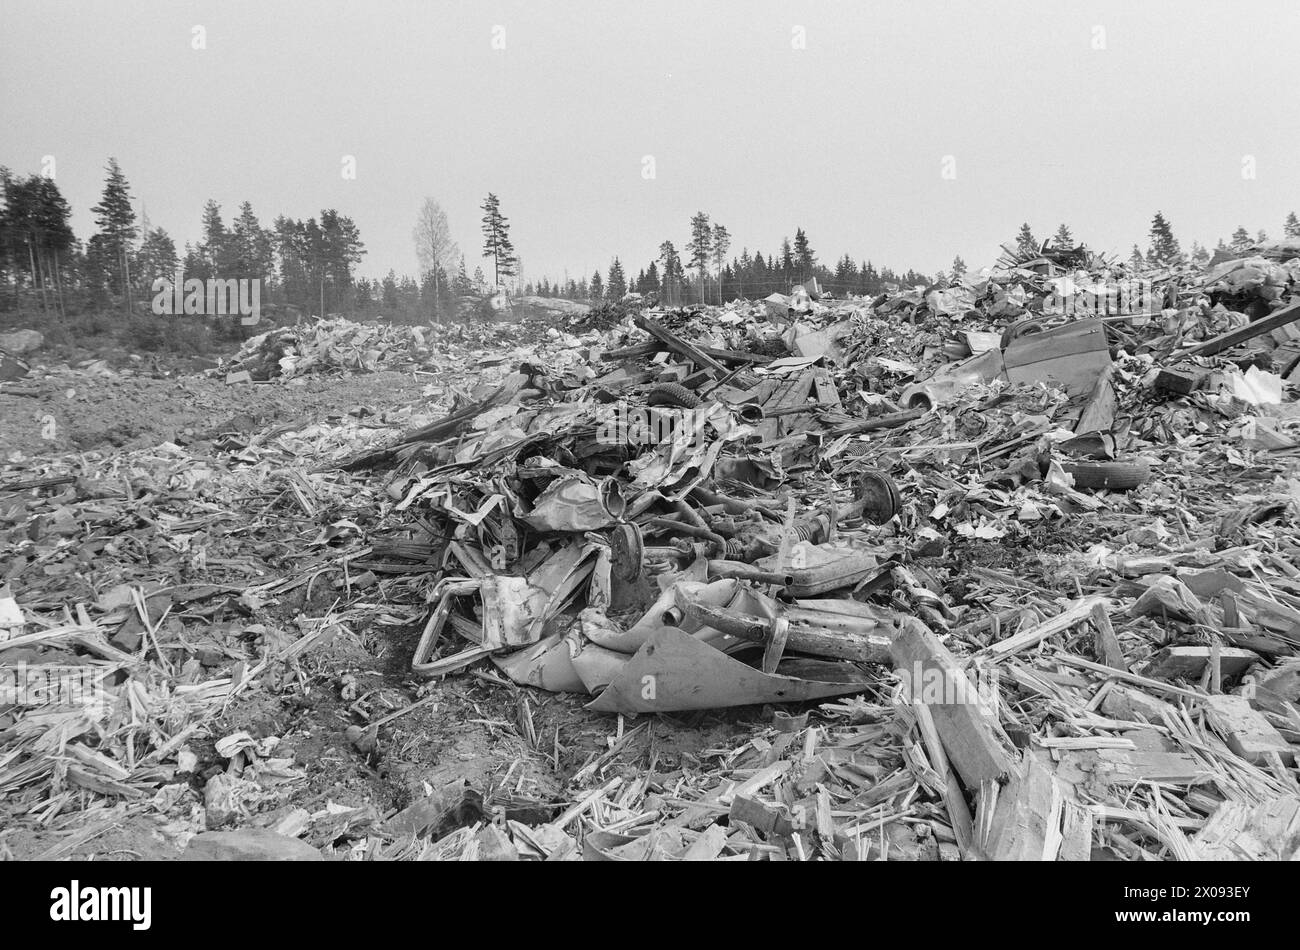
1062, 569
1005, 567
338, 345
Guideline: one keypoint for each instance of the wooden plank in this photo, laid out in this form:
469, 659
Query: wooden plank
1067, 618
827, 394
958, 811
1026, 821
1244, 831
1104, 641
1133, 705
1120, 767
791, 391
1076, 833
1182, 380
1151, 759
678, 345
1246, 731
1283, 681
1240, 335
766, 819
1189, 662
972, 737
708, 845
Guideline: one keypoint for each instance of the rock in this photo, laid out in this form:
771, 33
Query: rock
250, 844
12, 368
19, 342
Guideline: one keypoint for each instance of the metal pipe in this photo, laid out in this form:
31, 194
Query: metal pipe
748, 572
691, 530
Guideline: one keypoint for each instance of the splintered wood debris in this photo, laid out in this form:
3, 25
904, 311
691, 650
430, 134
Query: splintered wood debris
976, 580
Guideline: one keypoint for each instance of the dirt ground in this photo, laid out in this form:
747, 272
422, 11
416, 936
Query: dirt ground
517, 748
80, 411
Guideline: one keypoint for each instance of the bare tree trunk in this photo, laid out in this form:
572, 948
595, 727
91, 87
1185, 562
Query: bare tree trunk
43, 268
43, 259
58, 286
13, 272
36, 280
126, 281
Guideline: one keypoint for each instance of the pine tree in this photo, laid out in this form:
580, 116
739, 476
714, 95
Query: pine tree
34, 218
1026, 243
787, 260
156, 257
651, 279
846, 272
727, 282
668, 256
617, 286
116, 220
1292, 226
959, 266
672, 272
1136, 259
336, 250
596, 289
870, 278
1240, 240
1063, 237
496, 240
388, 296
721, 240
803, 255
699, 246
1164, 246
216, 251
251, 245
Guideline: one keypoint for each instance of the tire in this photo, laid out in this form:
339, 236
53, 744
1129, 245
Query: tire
880, 495
1114, 476
672, 394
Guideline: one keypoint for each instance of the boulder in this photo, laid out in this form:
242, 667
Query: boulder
18, 342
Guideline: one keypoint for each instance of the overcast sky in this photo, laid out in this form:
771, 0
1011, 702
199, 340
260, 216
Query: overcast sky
1092, 113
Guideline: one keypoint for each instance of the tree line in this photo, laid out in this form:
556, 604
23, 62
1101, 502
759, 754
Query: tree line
707, 275
311, 263
1163, 247
306, 263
